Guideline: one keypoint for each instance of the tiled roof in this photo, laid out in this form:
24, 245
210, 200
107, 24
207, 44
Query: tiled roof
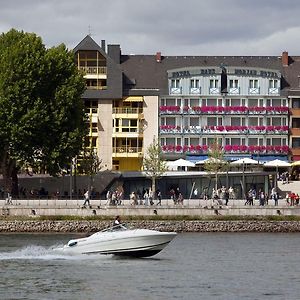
148, 73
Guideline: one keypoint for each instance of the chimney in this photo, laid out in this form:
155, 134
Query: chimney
285, 58
103, 45
158, 57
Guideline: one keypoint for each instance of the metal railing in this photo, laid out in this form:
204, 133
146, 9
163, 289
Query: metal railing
94, 70
127, 110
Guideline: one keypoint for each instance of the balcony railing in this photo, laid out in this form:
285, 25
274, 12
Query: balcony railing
170, 129
234, 91
127, 110
175, 91
195, 91
94, 70
254, 91
214, 91
199, 149
127, 149
273, 91
165, 110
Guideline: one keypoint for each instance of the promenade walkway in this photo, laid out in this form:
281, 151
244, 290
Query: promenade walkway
78, 203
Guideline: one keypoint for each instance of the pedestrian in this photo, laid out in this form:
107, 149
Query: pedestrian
158, 194
146, 198
87, 198
261, 198
180, 199
226, 197
9, 199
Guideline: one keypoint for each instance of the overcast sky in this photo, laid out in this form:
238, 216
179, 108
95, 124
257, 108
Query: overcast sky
186, 27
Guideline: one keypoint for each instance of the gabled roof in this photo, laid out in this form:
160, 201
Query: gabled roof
89, 44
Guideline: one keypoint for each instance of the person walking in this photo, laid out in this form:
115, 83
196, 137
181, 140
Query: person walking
86, 198
158, 195
226, 197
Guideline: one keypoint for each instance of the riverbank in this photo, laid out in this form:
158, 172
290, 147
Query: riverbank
217, 225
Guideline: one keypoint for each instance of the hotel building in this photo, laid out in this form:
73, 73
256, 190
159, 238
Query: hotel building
250, 104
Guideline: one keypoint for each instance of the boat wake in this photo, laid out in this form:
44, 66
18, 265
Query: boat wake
34, 252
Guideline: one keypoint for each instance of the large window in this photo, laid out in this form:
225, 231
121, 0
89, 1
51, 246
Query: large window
273, 83
233, 83
195, 83
253, 83
213, 83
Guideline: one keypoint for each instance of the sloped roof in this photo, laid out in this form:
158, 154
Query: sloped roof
150, 74
88, 44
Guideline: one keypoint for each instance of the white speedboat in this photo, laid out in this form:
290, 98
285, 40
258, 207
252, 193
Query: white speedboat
119, 240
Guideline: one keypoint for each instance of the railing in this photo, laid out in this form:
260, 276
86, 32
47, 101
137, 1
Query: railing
97, 87
273, 91
94, 70
172, 110
169, 129
214, 91
254, 91
127, 110
127, 149
234, 91
195, 91
175, 90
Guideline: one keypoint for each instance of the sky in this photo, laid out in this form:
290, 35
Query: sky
172, 27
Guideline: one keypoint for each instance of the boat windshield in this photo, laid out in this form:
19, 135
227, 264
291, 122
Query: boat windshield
115, 228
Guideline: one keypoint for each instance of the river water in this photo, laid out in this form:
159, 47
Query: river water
193, 266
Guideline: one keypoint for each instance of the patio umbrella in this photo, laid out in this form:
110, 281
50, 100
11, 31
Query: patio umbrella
210, 160
245, 161
277, 163
180, 163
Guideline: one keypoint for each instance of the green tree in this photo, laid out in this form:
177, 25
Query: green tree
89, 164
42, 120
216, 162
153, 165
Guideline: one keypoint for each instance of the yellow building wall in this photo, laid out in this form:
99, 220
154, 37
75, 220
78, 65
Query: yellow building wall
130, 164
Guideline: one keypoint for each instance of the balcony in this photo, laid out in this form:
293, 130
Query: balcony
274, 91
214, 91
127, 151
234, 91
175, 91
254, 91
94, 70
195, 91
128, 112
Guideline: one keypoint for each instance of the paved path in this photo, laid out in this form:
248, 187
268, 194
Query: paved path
52, 203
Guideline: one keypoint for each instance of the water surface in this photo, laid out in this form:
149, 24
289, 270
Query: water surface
193, 266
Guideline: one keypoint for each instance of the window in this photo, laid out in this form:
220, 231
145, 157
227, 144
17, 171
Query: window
195, 83
213, 83
253, 83
213, 121
194, 121
175, 83
273, 83
233, 83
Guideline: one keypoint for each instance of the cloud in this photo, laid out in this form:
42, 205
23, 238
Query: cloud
192, 27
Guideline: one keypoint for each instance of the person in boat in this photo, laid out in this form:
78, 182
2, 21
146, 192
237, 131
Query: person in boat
117, 222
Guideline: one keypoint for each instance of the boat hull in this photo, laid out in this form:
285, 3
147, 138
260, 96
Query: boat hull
135, 243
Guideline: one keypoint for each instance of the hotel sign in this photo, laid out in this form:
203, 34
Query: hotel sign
253, 72
189, 73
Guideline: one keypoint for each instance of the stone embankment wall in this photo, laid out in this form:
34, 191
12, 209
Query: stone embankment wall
178, 226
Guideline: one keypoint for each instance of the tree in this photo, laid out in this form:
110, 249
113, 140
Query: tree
90, 164
216, 162
153, 165
42, 120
